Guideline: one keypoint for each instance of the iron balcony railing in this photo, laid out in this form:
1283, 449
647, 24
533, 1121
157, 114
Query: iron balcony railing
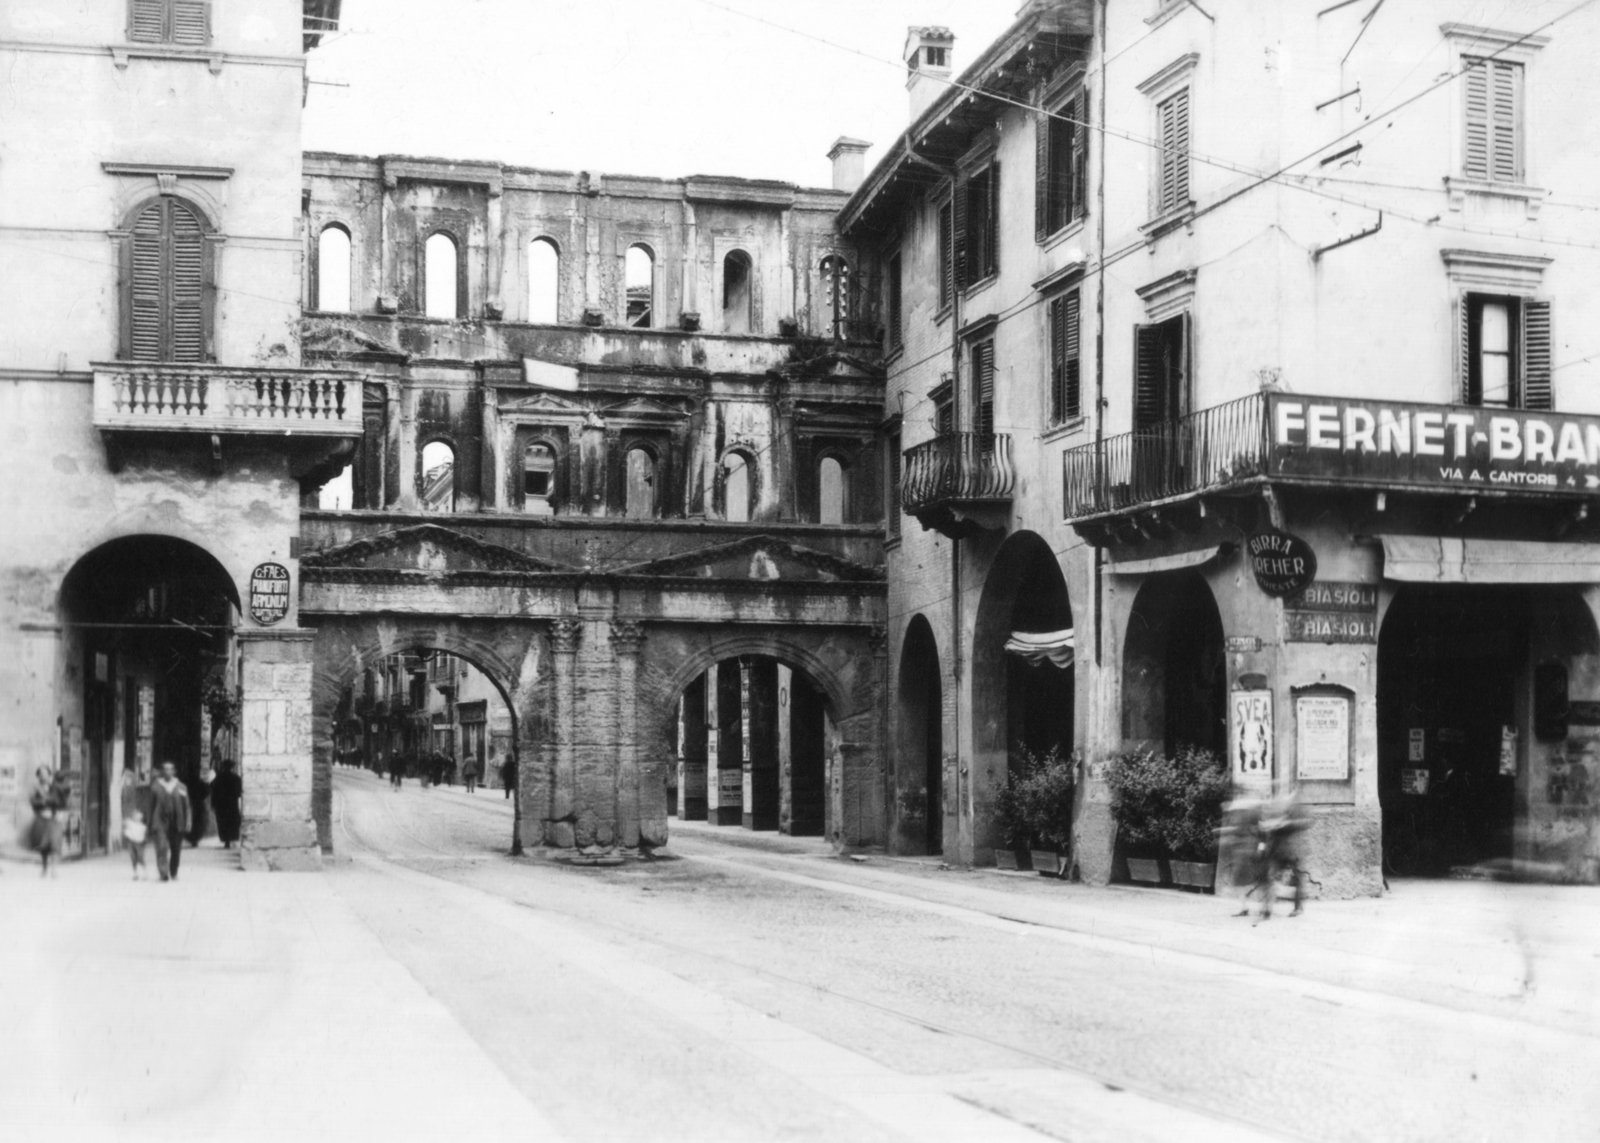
1208, 449
958, 468
227, 399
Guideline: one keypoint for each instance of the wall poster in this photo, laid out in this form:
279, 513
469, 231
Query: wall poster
1322, 737
1250, 736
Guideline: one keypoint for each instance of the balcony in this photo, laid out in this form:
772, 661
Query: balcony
227, 400
959, 483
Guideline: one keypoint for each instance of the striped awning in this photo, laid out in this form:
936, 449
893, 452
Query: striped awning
1038, 646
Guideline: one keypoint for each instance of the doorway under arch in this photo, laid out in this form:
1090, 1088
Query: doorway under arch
921, 737
1174, 666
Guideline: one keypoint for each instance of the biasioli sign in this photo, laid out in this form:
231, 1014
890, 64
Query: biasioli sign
1387, 442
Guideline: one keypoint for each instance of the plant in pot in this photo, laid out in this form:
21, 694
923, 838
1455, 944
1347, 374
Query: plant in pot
1048, 784
1142, 782
1011, 822
1190, 833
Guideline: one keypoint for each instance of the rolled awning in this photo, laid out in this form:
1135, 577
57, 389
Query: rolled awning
1165, 563
1446, 559
1037, 646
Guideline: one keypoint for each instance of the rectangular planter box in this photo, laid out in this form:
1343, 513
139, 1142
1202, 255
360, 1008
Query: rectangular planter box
1194, 874
1147, 869
1011, 859
1046, 861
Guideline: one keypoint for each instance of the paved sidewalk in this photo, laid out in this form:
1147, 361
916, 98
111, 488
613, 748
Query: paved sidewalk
224, 1006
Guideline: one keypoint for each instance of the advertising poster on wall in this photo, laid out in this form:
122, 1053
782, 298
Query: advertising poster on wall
1322, 738
1250, 737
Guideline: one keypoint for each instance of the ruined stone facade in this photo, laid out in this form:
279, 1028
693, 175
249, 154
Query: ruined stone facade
655, 477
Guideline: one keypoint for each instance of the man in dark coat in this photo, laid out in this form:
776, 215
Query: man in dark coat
169, 819
508, 773
226, 790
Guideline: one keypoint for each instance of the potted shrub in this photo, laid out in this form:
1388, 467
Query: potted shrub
1141, 784
1011, 820
1191, 830
1048, 784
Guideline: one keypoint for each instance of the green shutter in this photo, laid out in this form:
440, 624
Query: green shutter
187, 288
992, 235
983, 388
958, 234
1071, 400
1506, 89
1147, 402
1058, 360
1537, 389
1475, 163
1174, 123
146, 285
191, 22
147, 21
1079, 201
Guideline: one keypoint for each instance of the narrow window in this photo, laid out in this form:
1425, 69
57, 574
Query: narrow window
333, 270
1059, 184
338, 494
538, 478
894, 301
947, 267
544, 282
438, 477
981, 221
736, 297
166, 287
1161, 372
1172, 125
1494, 120
944, 416
830, 491
440, 270
641, 502
639, 274
983, 392
186, 22
736, 488
1065, 339
1507, 352
892, 509
836, 284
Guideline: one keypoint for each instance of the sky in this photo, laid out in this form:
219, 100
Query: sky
643, 87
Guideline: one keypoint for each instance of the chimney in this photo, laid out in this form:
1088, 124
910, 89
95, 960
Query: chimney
928, 58
849, 162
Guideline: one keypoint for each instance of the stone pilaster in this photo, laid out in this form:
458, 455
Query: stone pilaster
626, 638
279, 828
565, 635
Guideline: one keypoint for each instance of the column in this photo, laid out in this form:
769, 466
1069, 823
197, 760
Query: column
626, 638
564, 637
785, 749
783, 460
279, 828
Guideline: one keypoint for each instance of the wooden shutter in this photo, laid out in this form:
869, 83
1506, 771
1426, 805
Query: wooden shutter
1147, 377
1467, 347
147, 21
895, 287
1071, 395
991, 238
1537, 390
1041, 176
958, 234
186, 284
191, 22
1174, 116
946, 254
983, 387
1506, 89
1475, 163
1079, 191
146, 285
1058, 360
892, 509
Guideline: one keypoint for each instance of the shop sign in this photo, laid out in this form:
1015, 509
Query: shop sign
1413, 781
1250, 736
1336, 595
1238, 644
1282, 564
1416, 742
1451, 446
1322, 738
730, 786
269, 593
1326, 627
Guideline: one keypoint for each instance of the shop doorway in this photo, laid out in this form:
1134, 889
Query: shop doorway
921, 737
1452, 669
1174, 668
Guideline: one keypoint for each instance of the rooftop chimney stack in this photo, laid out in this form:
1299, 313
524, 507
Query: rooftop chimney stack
849, 162
928, 58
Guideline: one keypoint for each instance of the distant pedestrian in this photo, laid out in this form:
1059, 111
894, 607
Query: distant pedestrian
1283, 825
170, 818
469, 775
508, 773
1239, 850
135, 816
198, 788
226, 791
397, 769
49, 801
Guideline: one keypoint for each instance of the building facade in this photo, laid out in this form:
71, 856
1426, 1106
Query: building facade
1185, 306
162, 425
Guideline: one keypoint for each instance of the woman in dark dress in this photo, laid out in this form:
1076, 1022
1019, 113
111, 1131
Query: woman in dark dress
226, 790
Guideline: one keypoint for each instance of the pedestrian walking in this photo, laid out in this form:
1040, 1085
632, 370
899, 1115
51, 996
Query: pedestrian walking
1283, 824
1239, 850
170, 819
197, 788
508, 773
397, 769
48, 801
226, 791
135, 816
469, 775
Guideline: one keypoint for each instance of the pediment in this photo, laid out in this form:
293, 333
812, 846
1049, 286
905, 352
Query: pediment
756, 558
542, 402
646, 409
429, 548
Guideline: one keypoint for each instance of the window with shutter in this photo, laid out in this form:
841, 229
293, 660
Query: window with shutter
182, 22
147, 21
1172, 120
191, 22
166, 287
978, 230
1537, 388
1506, 352
958, 234
983, 391
1064, 352
1493, 145
1161, 372
1061, 144
946, 264
892, 509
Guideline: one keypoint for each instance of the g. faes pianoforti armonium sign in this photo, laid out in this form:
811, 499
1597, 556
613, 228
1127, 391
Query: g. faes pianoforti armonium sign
269, 593
1282, 564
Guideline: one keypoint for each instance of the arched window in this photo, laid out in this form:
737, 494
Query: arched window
639, 274
641, 502
737, 488
544, 282
538, 478
438, 492
831, 491
339, 493
736, 292
333, 269
167, 300
836, 291
440, 270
